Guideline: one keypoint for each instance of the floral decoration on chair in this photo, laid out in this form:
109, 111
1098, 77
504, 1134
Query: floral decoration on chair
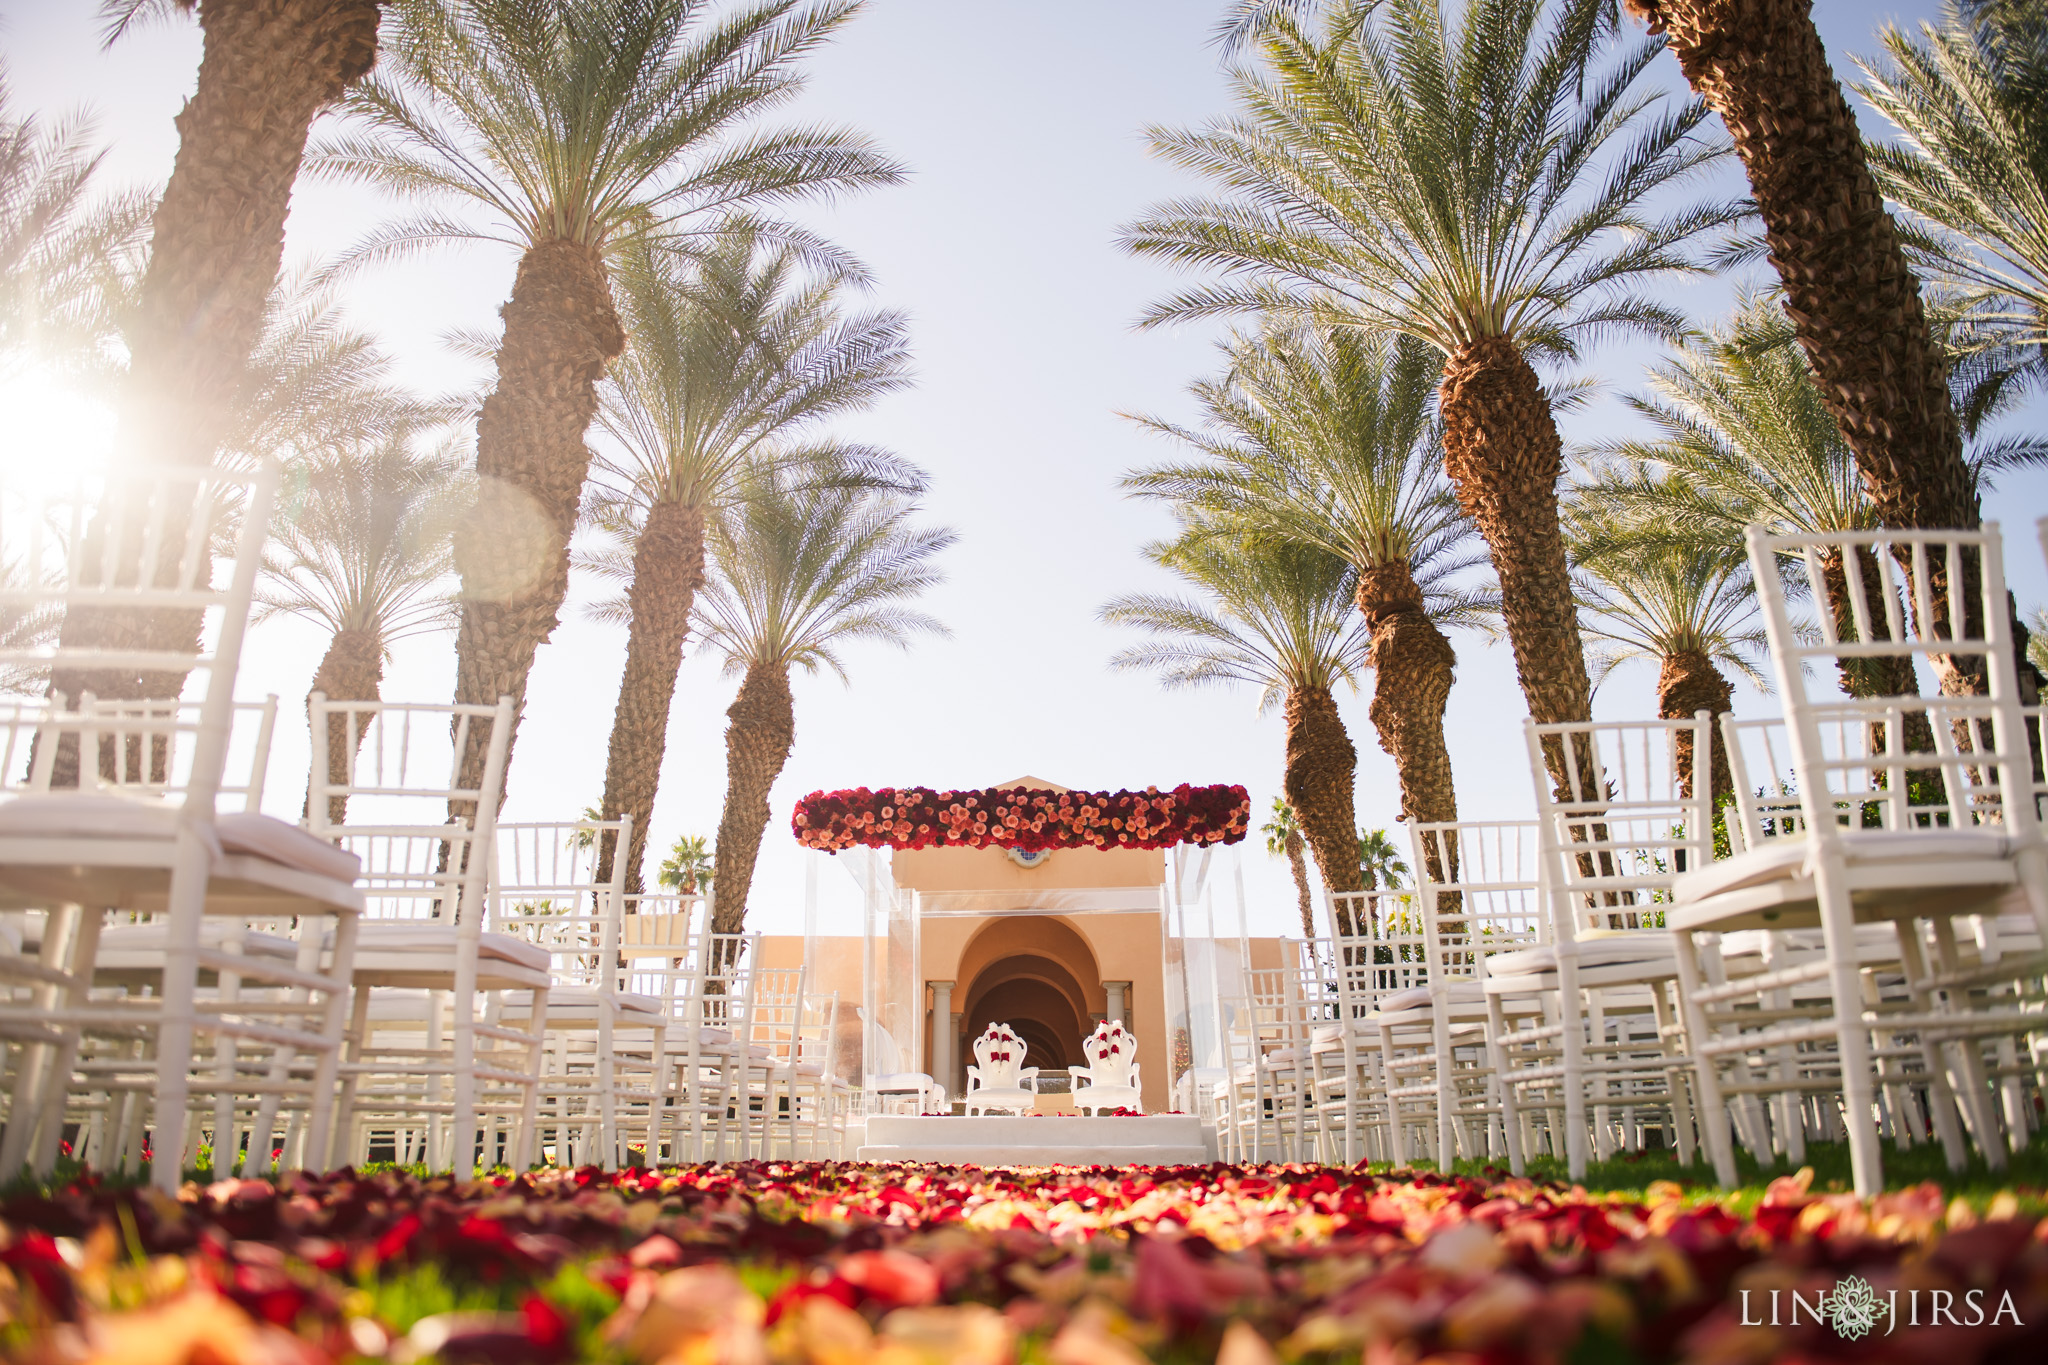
1112, 1073
999, 1080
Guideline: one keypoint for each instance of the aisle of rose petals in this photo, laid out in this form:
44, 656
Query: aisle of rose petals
837, 1265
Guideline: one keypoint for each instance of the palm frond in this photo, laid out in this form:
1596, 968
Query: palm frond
804, 566
1395, 172
601, 122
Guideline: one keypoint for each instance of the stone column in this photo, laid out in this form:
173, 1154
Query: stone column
940, 1063
1119, 996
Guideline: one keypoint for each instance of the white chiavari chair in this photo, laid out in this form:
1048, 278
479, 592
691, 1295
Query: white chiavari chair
708, 997
117, 808
1623, 809
1915, 810
1477, 895
545, 889
423, 1050
1377, 950
1270, 1095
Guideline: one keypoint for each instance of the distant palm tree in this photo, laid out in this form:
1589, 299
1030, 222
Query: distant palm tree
1283, 835
729, 357
1326, 438
1689, 607
1743, 435
1970, 167
570, 129
690, 865
1379, 860
1854, 298
803, 568
1480, 187
361, 547
1277, 616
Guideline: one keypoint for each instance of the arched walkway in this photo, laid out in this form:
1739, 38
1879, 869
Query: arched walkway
1036, 974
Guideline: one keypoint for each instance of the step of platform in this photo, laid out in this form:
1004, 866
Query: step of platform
1040, 1140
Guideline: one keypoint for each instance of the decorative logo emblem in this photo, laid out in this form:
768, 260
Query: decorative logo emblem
1029, 857
1854, 1308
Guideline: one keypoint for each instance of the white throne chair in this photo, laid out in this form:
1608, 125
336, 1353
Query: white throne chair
1112, 1073
999, 1080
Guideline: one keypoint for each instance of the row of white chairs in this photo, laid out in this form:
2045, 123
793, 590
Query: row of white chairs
400, 975
1847, 944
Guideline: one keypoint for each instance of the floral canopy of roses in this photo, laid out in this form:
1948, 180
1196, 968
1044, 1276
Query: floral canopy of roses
1027, 818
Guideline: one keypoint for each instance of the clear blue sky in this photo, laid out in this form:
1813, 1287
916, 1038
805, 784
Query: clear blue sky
1021, 124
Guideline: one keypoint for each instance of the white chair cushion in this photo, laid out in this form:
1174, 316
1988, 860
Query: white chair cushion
568, 1003
1595, 950
272, 839
89, 815
398, 936
901, 1082
1784, 859
108, 815
1415, 997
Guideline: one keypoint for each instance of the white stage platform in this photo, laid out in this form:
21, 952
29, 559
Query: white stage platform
1153, 1140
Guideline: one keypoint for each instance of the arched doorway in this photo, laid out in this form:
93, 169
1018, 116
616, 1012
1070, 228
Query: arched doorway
1039, 976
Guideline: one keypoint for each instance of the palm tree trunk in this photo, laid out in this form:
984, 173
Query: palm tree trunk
1299, 864
1688, 683
267, 69
668, 568
513, 549
1321, 768
1849, 291
352, 669
1503, 456
1413, 665
758, 739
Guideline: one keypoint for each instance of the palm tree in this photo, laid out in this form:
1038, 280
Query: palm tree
728, 359
1278, 616
1283, 835
1690, 607
1379, 861
1326, 439
1479, 189
1744, 435
690, 866
1971, 170
361, 548
804, 567
571, 129
314, 388
316, 382
65, 252
1850, 292
266, 72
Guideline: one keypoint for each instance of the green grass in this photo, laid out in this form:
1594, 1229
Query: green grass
2025, 1176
